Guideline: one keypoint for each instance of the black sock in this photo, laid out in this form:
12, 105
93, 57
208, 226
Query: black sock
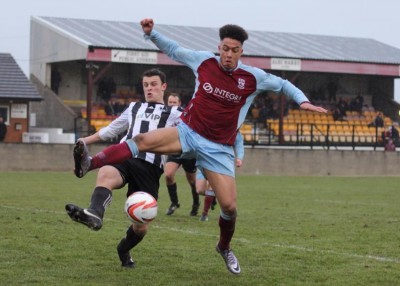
173, 194
195, 195
131, 240
101, 199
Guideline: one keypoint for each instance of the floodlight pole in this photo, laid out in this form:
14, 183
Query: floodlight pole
89, 92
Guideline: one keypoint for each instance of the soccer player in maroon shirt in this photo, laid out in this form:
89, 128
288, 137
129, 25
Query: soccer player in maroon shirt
224, 91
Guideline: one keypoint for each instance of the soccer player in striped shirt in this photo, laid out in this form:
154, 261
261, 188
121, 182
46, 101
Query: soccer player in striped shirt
224, 91
141, 172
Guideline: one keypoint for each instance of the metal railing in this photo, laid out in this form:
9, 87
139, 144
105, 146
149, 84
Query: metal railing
321, 135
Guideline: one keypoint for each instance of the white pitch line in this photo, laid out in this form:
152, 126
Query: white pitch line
242, 240
372, 257
337, 202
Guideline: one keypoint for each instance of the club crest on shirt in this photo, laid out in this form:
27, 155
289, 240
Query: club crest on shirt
241, 83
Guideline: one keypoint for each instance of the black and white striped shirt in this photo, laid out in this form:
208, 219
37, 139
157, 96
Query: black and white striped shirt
141, 117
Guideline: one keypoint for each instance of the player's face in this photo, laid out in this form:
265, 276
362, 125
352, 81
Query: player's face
230, 51
154, 89
173, 101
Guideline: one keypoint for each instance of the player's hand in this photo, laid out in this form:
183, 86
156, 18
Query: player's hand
309, 106
238, 162
147, 25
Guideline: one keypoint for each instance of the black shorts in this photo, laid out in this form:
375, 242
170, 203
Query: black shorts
140, 175
189, 165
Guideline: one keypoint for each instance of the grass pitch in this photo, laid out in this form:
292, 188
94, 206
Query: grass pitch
290, 231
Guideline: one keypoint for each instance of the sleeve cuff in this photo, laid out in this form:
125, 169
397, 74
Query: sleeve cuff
148, 36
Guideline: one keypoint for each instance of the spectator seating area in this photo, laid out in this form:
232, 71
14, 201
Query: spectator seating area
303, 127
102, 114
99, 117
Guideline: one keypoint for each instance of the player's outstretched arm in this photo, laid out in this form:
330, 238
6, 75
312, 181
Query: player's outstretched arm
311, 107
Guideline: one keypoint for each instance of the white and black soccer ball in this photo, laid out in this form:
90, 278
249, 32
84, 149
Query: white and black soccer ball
141, 207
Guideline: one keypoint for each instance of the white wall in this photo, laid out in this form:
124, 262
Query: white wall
397, 90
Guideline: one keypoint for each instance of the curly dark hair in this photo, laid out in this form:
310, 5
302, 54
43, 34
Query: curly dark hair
234, 32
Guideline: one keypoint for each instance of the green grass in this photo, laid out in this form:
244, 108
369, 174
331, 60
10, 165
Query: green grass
290, 231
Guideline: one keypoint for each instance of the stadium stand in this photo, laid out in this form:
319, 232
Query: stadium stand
301, 126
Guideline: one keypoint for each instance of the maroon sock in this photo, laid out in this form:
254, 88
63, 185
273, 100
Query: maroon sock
113, 154
207, 204
227, 228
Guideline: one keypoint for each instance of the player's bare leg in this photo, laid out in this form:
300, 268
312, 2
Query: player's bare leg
225, 190
161, 141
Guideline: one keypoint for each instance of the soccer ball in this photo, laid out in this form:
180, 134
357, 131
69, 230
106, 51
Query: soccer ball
141, 207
